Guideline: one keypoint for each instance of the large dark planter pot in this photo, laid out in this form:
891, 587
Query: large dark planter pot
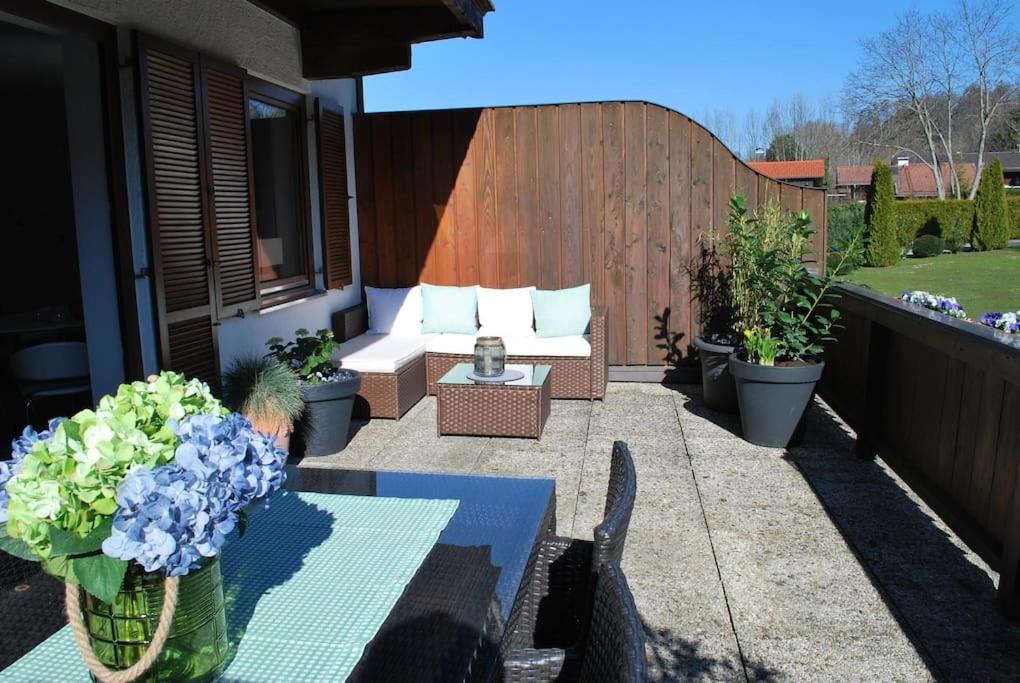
773, 399
324, 427
717, 385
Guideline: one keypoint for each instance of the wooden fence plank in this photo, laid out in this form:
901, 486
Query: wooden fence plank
635, 231
1007, 462
445, 247
681, 241
506, 198
405, 241
657, 245
571, 271
548, 198
365, 184
527, 196
593, 201
425, 218
485, 202
724, 185
465, 123
983, 469
386, 239
702, 217
615, 272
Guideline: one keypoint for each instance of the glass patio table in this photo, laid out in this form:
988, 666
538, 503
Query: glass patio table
450, 621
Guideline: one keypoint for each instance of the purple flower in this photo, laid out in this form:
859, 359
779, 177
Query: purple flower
1007, 322
172, 517
20, 447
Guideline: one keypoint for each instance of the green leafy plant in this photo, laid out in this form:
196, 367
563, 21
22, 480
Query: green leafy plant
761, 348
772, 290
310, 356
991, 215
844, 220
927, 246
880, 216
265, 390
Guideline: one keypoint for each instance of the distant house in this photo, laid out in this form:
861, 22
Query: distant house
810, 173
912, 181
852, 182
1010, 165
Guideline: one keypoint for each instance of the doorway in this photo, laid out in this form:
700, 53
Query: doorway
60, 336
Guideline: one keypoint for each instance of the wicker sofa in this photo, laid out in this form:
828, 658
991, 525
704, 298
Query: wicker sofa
397, 373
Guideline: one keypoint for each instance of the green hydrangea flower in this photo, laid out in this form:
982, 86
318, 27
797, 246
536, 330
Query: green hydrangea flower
69, 482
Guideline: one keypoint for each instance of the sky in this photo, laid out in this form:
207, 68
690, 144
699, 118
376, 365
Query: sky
694, 57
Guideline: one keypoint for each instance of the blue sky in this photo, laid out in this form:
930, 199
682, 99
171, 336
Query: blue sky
691, 56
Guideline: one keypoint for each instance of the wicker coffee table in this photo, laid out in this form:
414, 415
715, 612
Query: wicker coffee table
518, 408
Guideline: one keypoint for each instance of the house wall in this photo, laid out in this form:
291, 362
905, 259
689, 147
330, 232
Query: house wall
237, 32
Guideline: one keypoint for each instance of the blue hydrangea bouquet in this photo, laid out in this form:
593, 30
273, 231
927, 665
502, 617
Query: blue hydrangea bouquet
156, 476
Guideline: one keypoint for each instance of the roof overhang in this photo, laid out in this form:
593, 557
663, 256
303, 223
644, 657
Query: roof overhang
345, 38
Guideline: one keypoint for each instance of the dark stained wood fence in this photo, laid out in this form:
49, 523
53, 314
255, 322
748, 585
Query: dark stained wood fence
617, 194
939, 400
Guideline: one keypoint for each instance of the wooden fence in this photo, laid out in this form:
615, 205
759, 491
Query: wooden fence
939, 400
617, 194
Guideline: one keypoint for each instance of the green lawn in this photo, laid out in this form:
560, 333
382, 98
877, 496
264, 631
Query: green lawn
980, 281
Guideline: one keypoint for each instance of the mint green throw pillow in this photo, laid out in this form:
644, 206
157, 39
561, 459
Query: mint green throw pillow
450, 310
562, 312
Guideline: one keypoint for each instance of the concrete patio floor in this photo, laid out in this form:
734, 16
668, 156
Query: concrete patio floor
746, 563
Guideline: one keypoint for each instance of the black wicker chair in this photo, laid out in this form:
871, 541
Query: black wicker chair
613, 650
558, 604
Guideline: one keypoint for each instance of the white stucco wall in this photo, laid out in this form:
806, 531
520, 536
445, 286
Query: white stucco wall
237, 32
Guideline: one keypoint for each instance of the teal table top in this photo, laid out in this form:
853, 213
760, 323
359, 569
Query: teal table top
534, 375
307, 588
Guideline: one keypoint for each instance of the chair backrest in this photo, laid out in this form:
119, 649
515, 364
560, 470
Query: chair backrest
614, 650
611, 534
51, 362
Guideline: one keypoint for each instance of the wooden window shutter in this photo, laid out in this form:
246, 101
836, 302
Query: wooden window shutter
232, 212
174, 149
334, 196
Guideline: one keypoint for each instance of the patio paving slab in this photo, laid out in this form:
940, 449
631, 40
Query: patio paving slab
746, 563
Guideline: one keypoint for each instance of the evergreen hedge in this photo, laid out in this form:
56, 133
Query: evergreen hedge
916, 217
884, 247
991, 217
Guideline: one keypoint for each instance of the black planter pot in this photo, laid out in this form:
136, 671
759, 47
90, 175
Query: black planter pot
324, 427
773, 399
716, 381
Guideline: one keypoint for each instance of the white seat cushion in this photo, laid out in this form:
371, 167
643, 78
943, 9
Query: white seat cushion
463, 344
578, 346
506, 312
394, 311
385, 353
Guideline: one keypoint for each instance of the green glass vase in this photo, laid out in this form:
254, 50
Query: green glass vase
120, 631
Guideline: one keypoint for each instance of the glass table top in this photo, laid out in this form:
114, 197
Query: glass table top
450, 620
534, 375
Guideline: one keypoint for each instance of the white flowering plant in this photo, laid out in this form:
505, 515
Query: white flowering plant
157, 474
936, 302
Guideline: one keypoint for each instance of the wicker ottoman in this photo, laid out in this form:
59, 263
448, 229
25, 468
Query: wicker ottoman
514, 409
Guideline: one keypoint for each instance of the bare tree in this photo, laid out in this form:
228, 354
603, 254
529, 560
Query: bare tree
897, 70
992, 47
947, 67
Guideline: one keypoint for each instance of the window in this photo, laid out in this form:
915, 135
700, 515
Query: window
279, 167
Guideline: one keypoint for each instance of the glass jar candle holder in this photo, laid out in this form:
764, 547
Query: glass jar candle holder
490, 356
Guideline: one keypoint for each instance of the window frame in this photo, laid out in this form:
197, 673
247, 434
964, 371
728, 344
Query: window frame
282, 290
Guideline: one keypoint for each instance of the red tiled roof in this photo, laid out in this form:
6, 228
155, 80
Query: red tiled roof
917, 180
790, 170
853, 175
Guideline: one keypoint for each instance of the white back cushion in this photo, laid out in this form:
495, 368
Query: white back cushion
394, 311
506, 312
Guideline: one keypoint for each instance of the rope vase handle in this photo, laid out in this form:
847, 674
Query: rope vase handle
159, 638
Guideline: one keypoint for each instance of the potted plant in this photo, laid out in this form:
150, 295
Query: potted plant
328, 391
267, 392
130, 505
710, 280
785, 314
